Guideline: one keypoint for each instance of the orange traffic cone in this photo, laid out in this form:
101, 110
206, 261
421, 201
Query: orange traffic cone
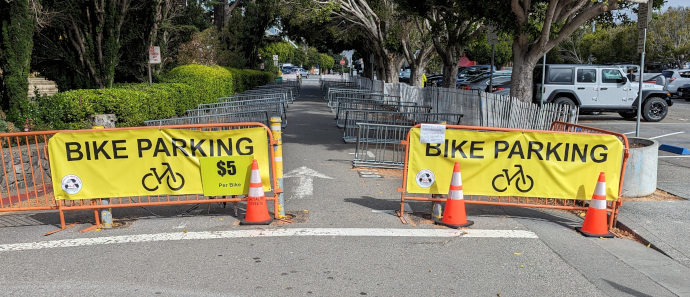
454, 213
257, 211
595, 224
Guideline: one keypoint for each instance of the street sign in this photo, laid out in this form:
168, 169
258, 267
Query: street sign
491, 35
640, 40
275, 57
154, 55
644, 14
342, 62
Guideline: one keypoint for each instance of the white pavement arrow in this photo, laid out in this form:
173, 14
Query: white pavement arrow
306, 180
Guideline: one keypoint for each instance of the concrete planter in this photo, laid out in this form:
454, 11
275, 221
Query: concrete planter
641, 168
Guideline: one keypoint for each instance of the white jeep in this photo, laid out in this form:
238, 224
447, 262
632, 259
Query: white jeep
599, 88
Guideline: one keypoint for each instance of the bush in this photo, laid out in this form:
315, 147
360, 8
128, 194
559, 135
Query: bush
181, 89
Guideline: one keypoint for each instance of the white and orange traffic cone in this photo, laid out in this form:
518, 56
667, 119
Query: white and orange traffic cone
595, 224
257, 210
454, 212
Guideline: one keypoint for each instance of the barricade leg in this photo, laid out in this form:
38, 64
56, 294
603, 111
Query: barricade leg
278, 157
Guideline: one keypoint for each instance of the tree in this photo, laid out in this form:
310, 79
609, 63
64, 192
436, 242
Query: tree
454, 26
417, 44
16, 44
374, 21
537, 27
85, 38
669, 36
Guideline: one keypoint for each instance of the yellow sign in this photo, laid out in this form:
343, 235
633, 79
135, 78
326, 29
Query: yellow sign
516, 163
141, 162
226, 175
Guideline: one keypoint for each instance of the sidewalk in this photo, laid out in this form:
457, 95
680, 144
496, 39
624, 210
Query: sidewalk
664, 224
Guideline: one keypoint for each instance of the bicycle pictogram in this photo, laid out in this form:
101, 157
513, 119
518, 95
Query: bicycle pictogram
175, 184
523, 182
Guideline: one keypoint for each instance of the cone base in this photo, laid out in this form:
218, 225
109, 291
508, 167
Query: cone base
243, 222
469, 223
587, 234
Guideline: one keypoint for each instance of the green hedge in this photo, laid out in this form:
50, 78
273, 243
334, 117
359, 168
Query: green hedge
181, 89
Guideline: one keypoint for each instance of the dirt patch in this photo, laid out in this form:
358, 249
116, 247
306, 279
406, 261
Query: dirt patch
658, 195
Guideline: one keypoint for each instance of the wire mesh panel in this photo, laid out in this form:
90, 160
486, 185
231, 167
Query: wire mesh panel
273, 107
259, 116
353, 117
380, 145
346, 104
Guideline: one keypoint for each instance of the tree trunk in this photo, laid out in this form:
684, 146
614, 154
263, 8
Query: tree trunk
523, 67
16, 44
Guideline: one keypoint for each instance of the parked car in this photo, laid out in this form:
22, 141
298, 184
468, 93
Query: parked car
684, 92
404, 76
434, 80
598, 88
303, 72
676, 78
470, 71
503, 88
481, 81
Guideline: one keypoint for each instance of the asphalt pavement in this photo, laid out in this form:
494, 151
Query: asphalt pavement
345, 240
662, 224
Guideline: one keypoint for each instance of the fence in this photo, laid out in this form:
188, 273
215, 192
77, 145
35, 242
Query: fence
258, 116
353, 117
380, 145
477, 109
27, 185
537, 202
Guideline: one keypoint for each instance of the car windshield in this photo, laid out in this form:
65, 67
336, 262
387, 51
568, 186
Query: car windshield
667, 74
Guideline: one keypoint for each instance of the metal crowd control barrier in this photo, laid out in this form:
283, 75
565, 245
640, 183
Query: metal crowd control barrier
270, 101
353, 117
26, 184
259, 116
274, 107
363, 104
340, 97
536, 202
380, 146
291, 92
256, 96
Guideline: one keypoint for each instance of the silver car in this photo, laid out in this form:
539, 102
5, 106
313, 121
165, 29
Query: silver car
304, 73
676, 78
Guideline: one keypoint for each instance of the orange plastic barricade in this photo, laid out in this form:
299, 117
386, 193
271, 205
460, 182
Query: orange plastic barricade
27, 185
425, 181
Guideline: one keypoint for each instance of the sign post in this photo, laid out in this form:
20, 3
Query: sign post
644, 14
154, 58
342, 66
492, 37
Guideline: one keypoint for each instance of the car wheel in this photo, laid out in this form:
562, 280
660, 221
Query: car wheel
565, 101
628, 114
654, 109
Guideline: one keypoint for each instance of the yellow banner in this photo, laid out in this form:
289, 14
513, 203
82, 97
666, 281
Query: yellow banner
123, 163
516, 163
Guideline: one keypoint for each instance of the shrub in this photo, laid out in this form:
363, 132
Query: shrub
181, 89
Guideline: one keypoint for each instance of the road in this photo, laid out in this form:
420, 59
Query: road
345, 241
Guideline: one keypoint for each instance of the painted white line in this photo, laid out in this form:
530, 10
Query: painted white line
631, 132
361, 232
370, 154
667, 135
682, 156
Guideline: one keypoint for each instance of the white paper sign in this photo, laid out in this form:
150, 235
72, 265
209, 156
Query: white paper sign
431, 133
154, 55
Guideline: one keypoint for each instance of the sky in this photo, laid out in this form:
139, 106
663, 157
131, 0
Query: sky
674, 3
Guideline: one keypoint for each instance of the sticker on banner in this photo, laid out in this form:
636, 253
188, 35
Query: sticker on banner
425, 178
431, 133
71, 184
